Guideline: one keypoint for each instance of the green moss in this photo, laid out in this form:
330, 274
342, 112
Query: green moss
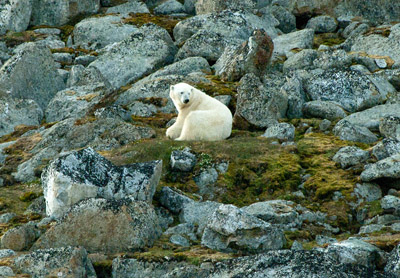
328, 39
165, 250
28, 196
164, 21
374, 208
316, 151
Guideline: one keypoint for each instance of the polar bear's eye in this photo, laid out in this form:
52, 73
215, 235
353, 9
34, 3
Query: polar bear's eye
181, 93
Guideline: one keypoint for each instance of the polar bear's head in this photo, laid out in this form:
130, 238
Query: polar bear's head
182, 94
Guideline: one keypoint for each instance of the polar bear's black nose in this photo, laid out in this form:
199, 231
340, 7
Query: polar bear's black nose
186, 101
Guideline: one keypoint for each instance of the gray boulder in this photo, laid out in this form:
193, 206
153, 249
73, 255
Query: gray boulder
169, 7
75, 102
389, 126
6, 217
143, 52
48, 12
350, 156
379, 45
351, 90
101, 225
322, 24
231, 230
182, 67
281, 131
324, 125
283, 44
185, 229
253, 56
20, 238
6, 253
69, 261
14, 112
345, 130
277, 212
190, 6
179, 240
337, 59
209, 6
86, 174
81, 76
183, 160
204, 43
393, 262
391, 203
287, 21
385, 148
198, 213
368, 192
261, 104
100, 134
354, 29
173, 199
132, 6
97, 32
27, 171
388, 168
14, 16
236, 26
271, 264
293, 88
132, 268
323, 110
303, 59
113, 112
6, 271
357, 252
370, 118
40, 84
38, 206
388, 10
206, 178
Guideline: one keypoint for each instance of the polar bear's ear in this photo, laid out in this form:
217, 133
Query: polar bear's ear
171, 88
192, 90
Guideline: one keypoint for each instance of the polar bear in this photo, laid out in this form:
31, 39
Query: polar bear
200, 117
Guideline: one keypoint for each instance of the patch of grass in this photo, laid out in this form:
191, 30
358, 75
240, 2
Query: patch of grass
164, 21
18, 131
29, 196
88, 97
158, 120
328, 39
13, 39
17, 153
373, 208
257, 170
164, 250
316, 151
77, 51
11, 201
385, 242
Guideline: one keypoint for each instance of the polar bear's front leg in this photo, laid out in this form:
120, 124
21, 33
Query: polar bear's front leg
175, 130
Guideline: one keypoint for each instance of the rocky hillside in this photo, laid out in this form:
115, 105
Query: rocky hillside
307, 185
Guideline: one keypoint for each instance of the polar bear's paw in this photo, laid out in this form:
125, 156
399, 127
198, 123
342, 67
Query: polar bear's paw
173, 133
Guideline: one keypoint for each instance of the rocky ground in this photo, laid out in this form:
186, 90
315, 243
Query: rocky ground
306, 186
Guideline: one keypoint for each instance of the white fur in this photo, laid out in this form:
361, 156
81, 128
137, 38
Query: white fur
201, 118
